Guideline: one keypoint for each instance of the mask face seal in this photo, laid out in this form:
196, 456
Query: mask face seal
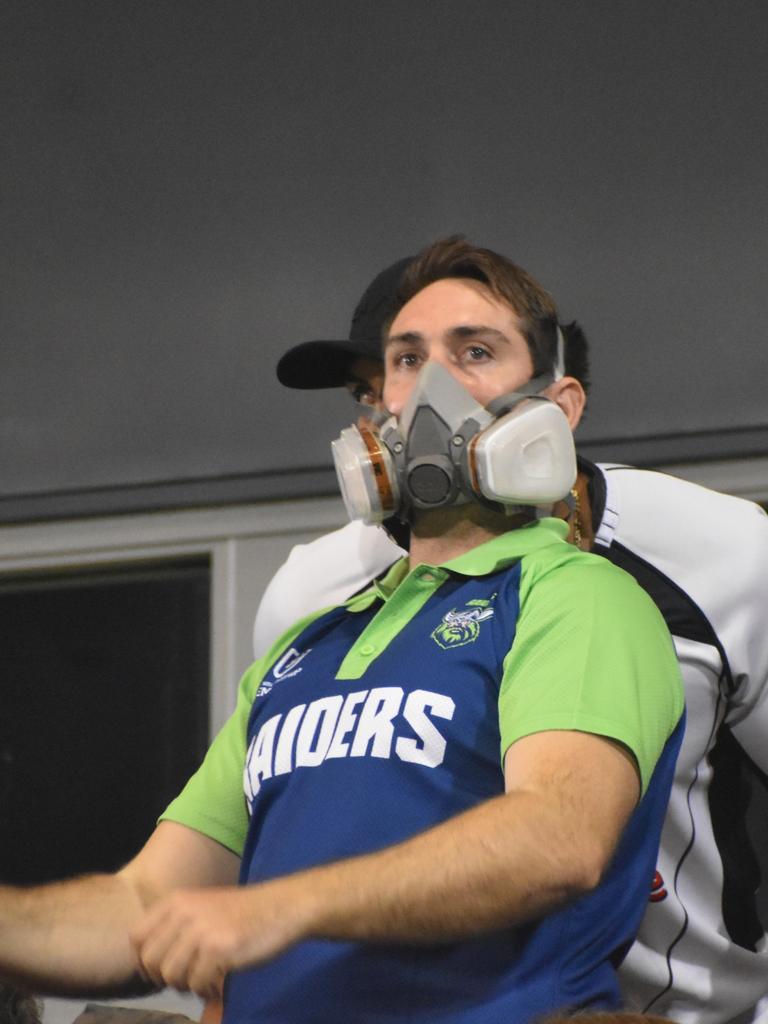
447, 449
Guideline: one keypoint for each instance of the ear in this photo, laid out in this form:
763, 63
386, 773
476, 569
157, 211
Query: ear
570, 396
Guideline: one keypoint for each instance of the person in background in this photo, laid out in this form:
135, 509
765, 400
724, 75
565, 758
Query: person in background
700, 956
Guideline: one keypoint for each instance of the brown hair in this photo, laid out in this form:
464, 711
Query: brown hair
456, 257
18, 1007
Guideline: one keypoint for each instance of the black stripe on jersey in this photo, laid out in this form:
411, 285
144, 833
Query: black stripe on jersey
682, 615
733, 773
733, 787
596, 489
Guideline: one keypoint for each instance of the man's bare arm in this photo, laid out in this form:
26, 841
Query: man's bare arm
71, 938
509, 860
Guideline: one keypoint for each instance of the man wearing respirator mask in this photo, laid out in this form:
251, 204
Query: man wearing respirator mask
444, 796
384, 719
703, 557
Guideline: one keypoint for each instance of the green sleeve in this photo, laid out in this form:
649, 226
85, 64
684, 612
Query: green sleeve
592, 654
213, 801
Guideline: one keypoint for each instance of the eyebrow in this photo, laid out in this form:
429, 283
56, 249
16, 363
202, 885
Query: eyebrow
458, 333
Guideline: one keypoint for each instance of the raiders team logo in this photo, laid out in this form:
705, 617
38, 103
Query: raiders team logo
460, 628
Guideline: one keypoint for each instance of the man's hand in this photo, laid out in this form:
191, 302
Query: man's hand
192, 938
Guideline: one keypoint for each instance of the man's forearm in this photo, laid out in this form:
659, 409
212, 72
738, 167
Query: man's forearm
506, 861
71, 938
500, 864
509, 860
460, 878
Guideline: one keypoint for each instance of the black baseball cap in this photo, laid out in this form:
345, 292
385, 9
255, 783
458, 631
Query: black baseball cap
324, 364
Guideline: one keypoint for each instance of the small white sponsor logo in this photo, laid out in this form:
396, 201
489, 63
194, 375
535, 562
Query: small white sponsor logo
286, 666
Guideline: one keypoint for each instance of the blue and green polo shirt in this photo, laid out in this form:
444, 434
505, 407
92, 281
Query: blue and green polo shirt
375, 720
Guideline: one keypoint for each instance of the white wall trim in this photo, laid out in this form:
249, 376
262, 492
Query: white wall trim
188, 530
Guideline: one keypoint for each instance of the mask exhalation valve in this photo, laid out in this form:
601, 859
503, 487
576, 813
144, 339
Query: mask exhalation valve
428, 482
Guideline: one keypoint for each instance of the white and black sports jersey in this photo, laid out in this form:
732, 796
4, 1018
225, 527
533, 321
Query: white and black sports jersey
703, 557
700, 956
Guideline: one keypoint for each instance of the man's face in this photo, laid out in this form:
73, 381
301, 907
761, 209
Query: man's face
460, 324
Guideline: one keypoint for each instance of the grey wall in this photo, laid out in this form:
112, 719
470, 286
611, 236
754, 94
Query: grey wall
190, 187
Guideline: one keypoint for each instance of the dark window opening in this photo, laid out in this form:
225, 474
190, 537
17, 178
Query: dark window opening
104, 711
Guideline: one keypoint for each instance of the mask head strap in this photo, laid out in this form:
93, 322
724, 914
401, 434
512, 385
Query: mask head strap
505, 403
558, 370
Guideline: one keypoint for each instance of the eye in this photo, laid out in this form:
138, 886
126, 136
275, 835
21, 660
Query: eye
476, 353
363, 394
407, 360
367, 394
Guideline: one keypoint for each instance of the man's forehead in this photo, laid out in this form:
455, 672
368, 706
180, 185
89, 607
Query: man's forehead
454, 332
453, 302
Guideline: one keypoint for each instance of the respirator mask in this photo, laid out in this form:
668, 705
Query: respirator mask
448, 449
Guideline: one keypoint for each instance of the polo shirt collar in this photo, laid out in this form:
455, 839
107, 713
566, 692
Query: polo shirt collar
489, 557
509, 547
